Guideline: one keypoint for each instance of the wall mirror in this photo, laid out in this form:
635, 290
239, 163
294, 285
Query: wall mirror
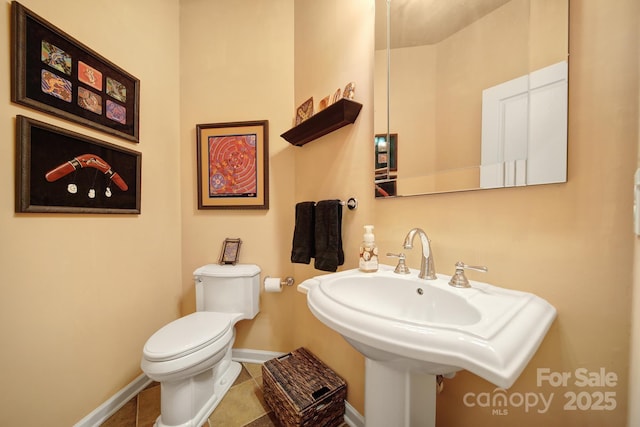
473, 92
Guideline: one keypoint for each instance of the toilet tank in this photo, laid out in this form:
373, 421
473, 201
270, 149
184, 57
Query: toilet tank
228, 289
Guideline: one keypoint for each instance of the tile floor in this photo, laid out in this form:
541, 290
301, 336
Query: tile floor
242, 406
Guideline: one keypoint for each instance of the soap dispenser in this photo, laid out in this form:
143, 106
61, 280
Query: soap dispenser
368, 251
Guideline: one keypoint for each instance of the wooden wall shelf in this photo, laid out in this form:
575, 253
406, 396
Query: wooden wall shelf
335, 116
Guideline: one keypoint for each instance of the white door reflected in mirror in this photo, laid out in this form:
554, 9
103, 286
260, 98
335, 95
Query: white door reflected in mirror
524, 130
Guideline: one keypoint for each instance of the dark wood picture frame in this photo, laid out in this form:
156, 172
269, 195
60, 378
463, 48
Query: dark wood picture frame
55, 73
233, 165
62, 171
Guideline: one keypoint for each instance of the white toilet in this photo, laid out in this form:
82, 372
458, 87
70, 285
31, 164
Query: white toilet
191, 356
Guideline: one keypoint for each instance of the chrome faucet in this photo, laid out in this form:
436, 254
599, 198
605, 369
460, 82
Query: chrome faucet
427, 267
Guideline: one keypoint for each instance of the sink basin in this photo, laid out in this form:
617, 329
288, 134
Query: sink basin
420, 304
411, 330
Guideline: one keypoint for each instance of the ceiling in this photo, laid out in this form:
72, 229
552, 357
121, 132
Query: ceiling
428, 21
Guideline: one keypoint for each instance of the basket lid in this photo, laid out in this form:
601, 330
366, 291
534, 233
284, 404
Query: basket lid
304, 378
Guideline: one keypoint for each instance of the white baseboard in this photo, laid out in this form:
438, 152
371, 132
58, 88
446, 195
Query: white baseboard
351, 416
253, 356
117, 401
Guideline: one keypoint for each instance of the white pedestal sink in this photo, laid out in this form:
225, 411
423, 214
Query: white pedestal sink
411, 402
411, 330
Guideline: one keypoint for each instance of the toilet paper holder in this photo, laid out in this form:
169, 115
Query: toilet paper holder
287, 281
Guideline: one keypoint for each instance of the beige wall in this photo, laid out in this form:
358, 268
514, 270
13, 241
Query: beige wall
634, 374
497, 51
236, 64
81, 293
333, 46
76, 317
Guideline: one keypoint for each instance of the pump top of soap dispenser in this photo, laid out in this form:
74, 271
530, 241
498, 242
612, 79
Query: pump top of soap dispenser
368, 234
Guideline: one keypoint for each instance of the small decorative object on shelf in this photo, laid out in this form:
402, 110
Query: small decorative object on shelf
335, 116
324, 103
304, 111
336, 96
349, 91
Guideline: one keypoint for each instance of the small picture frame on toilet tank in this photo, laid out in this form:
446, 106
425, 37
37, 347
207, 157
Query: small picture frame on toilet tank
230, 251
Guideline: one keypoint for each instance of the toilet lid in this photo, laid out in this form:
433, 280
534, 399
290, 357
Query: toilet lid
186, 335
227, 270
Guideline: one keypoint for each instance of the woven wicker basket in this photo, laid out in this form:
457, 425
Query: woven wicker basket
303, 391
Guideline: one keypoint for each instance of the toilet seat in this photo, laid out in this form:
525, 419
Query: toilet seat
186, 335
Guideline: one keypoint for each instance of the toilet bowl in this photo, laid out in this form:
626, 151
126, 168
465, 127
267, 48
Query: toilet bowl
191, 356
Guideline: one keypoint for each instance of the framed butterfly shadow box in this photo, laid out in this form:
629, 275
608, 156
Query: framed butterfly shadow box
57, 74
59, 171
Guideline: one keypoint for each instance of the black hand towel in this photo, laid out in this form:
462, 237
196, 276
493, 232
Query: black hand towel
303, 233
328, 235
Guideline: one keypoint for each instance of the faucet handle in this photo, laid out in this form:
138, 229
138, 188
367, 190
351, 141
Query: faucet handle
464, 266
401, 268
459, 280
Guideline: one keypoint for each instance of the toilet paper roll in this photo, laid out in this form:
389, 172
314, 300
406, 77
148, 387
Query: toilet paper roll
273, 284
